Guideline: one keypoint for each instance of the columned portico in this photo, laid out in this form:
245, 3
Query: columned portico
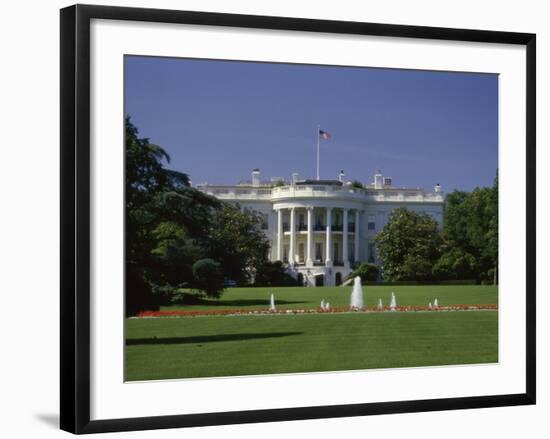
328, 253
310, 223
309, 259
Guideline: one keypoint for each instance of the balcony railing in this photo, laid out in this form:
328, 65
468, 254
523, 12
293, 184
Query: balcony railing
327, 191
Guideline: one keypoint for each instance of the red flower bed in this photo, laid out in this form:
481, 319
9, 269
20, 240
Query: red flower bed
225, 312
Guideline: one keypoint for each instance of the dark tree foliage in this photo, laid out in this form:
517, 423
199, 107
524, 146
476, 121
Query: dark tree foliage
171, 227
357, 184
409, 245
238, 242
208, 277
273, 274
471, 234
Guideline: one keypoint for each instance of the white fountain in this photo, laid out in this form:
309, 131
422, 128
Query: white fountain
393, 302
430, 305
327, 306
356, 301
322, 304
272, 304
436, 304
380, 305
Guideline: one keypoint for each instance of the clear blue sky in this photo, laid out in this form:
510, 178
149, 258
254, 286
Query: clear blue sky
220, 119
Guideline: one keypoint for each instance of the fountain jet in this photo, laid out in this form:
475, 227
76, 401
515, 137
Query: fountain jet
356, 301
393, 302
272, 304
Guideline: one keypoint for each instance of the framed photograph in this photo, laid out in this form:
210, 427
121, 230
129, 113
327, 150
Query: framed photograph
276, 218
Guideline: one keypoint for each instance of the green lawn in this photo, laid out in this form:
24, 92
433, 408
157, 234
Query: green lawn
162, 348
298, 297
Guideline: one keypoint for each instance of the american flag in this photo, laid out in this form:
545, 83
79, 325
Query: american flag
325, 135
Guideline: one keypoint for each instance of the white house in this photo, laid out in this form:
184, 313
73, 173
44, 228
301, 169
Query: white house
320, 228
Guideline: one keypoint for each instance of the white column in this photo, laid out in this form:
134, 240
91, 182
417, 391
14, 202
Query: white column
309, 260
357, 236
345, 250
328, 255
292, 247
280, 236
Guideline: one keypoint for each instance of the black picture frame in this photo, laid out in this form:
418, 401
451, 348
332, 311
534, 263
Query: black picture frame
75, 217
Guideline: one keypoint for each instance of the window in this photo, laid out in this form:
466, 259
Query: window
318, 251
285, 254
301, 222
318, 219
371, 224
301, 252
336, 250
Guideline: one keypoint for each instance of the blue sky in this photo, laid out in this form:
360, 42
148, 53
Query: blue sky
220, 119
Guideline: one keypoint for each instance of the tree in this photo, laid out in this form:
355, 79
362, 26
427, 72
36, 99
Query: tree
471, 230
456, 264
167, 222
409, 245
177, 236
238, 242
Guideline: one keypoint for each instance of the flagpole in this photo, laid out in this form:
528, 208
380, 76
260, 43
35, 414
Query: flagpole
318, 129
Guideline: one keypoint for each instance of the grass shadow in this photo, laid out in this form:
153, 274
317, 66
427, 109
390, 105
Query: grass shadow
207, 338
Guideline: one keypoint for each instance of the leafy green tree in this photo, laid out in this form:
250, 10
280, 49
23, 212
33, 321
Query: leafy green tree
166, 223
471, 230
456, 264
177, 236
238, 242
409, 245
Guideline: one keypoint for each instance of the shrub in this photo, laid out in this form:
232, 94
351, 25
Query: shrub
273, 274
367, 272
208, 277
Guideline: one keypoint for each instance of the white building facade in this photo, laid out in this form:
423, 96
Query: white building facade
321, 229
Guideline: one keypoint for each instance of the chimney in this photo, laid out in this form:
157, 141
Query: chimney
437, 188
341, 177
378, 182
295, 177
255, 177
